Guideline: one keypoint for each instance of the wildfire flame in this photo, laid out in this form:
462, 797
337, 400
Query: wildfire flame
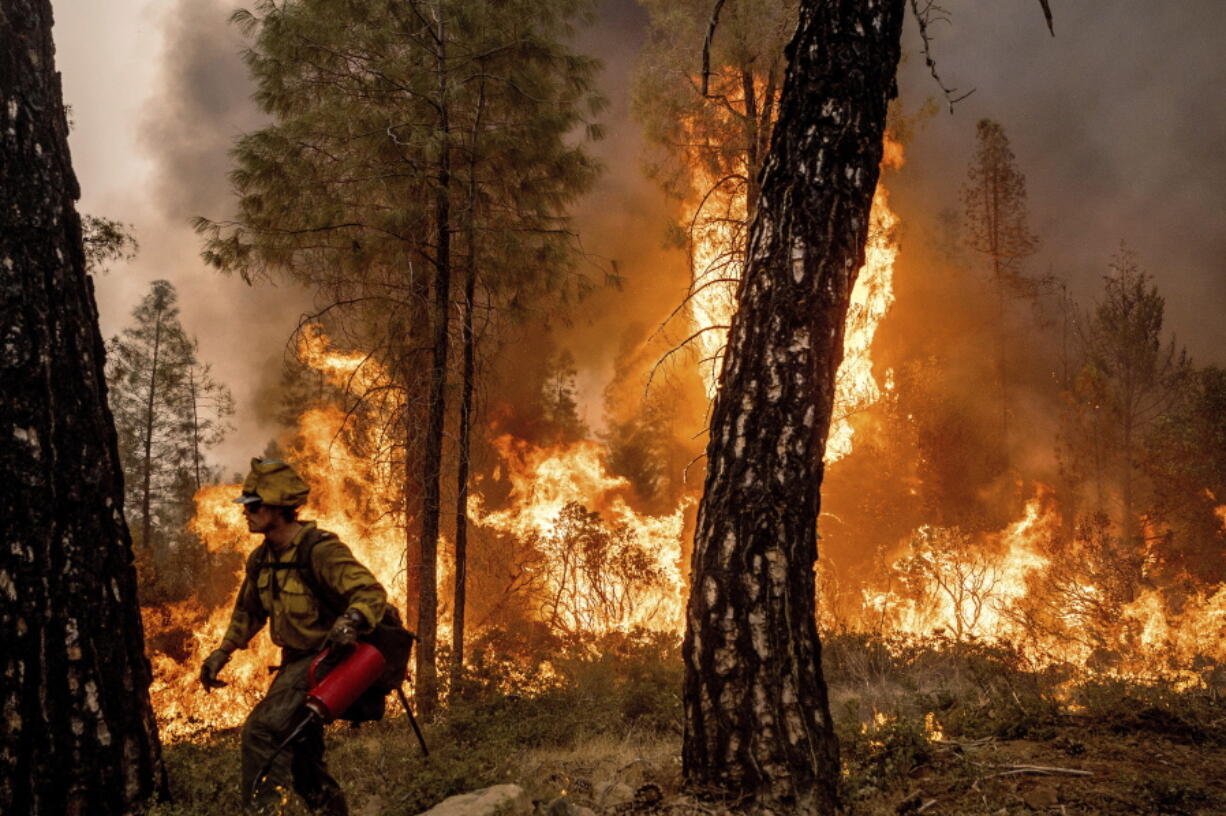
716, 218
961, 586
545, 481
350, 496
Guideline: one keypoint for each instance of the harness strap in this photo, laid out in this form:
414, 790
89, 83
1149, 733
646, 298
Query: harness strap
306, 568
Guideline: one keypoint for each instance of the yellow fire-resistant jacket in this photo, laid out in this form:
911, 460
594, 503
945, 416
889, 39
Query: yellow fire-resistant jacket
299, 619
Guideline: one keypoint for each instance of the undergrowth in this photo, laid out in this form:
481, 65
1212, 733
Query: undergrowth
618, 691
561, 725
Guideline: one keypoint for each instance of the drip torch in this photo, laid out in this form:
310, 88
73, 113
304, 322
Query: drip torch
328, 698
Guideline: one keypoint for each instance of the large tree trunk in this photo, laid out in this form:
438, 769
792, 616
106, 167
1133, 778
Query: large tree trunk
79, 733
757, 721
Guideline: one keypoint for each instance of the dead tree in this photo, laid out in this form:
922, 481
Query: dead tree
757, 721
78, 730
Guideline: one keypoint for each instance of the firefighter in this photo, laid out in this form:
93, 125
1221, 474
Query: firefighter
276, 592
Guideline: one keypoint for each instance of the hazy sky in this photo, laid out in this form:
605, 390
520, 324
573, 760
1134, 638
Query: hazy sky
1117, 123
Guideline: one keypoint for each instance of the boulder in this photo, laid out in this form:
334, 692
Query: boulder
499, 800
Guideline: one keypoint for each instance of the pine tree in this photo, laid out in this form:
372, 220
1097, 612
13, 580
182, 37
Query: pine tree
168, 411
106, 240
397, 127
79, 731
996, 222
1130, 380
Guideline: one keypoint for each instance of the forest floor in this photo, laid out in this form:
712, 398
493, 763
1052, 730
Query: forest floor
933, 728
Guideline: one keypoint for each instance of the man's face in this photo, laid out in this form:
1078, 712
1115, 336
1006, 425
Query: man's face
260, 517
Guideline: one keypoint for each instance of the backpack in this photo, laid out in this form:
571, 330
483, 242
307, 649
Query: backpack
389, 636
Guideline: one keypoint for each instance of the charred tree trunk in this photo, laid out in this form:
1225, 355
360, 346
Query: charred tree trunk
193, 393
464, 443
79, 732
427, 619
757, 721
412, 365
461, 503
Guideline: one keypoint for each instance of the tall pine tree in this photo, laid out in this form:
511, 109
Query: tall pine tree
411, 142
79, 732
997, 228
169, 410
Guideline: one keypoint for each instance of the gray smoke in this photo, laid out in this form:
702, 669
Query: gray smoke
1117, 123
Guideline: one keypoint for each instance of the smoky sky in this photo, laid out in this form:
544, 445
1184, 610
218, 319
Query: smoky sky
1117, 123
203, 105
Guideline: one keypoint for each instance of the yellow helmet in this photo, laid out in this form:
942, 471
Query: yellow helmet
273, 482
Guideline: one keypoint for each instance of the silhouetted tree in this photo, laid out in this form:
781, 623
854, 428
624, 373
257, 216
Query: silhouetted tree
1130, 378
997, 227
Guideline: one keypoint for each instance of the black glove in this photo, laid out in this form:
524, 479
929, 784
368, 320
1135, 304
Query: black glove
212, 667
345, 630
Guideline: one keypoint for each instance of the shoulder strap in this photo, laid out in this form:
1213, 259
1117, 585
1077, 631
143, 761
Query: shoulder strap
306, 567
254, 561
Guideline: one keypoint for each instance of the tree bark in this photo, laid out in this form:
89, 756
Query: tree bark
427, 619
79, 734
757, 721
464, 444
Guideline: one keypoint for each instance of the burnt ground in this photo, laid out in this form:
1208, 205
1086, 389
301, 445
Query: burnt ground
1078, 770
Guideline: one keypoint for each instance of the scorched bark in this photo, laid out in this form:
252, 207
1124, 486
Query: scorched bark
77, 733
757, 718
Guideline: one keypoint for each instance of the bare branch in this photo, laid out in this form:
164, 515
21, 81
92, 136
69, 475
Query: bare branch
929, 13
706, 46
1047, 14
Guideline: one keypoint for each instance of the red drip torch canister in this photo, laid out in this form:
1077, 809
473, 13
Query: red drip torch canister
345, 683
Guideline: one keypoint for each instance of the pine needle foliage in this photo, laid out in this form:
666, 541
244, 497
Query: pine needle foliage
412, 142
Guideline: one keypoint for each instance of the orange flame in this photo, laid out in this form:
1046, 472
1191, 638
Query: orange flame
717, 270
544, 482
349, 496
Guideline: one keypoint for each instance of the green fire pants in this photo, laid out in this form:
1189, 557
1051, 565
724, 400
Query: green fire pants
301, 765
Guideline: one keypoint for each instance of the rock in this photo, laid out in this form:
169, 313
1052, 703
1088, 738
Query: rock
1041, 798
614, 794
499, 800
